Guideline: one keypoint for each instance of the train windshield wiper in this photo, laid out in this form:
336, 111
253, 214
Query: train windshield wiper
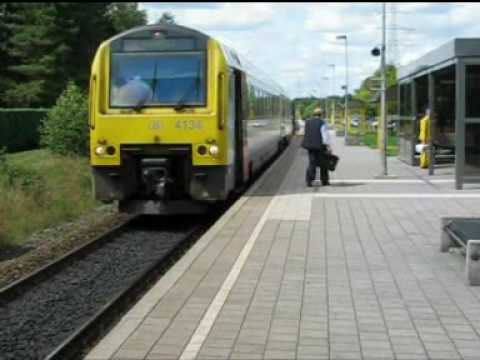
180, 105
142, 101
139, 105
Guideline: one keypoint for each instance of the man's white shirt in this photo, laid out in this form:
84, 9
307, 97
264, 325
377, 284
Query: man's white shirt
325, 133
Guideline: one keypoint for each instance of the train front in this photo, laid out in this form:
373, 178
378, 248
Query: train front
158, 142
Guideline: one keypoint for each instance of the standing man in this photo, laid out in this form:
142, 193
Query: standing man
317, 141
424, 138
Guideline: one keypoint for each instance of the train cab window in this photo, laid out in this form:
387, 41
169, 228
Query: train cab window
155, 68
143, 79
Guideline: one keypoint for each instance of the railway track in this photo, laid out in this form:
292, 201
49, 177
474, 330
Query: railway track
60, 310
57, 311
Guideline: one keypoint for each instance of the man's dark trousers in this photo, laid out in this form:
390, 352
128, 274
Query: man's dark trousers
317, 150
316, 159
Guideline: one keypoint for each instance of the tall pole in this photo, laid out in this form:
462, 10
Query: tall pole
333, 92
346, 89
383, 112
326, 96
344, 37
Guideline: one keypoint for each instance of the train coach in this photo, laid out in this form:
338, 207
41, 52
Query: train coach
179, 121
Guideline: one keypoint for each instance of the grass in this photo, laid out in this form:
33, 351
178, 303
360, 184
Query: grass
40, 190
370, 139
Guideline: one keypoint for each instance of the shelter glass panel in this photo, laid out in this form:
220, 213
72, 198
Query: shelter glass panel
445, 109
421, 85
472, 91
472, 149
406, 99
406, 127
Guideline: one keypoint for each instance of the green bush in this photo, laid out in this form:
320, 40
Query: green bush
65, 129
19, 128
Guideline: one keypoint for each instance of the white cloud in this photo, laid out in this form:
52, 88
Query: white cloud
340, 18
412, 7
227, 16
465, 14
295, 42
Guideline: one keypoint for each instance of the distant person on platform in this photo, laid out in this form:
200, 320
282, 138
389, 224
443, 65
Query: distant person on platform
317, 141
424, 138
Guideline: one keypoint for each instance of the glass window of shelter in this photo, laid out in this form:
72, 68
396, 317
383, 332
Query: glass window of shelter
472, 91
445, 107
472, 119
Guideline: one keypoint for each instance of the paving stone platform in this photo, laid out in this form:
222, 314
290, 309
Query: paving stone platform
350, 271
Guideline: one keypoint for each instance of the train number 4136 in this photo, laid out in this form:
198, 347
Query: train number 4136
188, 124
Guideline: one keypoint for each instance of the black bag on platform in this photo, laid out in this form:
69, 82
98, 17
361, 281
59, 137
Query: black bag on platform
331, 161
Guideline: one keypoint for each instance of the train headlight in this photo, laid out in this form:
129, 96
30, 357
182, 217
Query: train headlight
213, 150
100, 150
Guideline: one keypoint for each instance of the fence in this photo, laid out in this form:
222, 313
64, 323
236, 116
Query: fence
19, 128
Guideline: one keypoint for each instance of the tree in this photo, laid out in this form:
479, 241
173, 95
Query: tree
6, 12
90, 26
368, 89
47, 44
308, 110
38, 55
44, 45
125, 16
166, 18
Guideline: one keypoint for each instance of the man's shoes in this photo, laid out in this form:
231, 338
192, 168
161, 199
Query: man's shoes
309, 184
326, 183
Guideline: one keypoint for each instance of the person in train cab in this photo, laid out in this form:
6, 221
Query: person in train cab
135, 92
317, 141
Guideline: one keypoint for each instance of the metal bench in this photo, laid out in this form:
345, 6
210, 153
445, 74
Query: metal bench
464, 232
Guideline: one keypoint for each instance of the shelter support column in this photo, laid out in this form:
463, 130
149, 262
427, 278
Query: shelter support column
459, 123
413, 109
431, 105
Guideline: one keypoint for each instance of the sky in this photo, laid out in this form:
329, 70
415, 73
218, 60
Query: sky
295, 43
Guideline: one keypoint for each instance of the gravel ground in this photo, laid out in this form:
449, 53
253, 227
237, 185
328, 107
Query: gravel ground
49, 244
34, 324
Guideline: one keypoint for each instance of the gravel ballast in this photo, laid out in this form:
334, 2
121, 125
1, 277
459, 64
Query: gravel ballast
46, 245
32, 325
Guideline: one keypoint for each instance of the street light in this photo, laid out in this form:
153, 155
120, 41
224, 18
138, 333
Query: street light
326, 98
333, 90
383, 101
383, 135
344, 37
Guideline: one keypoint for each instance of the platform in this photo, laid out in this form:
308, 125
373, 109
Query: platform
350, 271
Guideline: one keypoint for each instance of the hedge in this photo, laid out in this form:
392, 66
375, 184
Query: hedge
19, 128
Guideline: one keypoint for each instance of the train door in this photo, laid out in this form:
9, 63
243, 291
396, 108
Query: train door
236, 106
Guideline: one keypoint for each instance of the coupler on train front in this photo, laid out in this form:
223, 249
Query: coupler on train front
162, 182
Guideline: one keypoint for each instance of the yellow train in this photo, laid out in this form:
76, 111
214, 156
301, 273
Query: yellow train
178, 120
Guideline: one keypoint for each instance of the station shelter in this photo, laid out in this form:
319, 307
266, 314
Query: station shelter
447, 82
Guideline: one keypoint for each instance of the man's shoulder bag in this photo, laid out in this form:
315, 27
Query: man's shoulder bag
330, 161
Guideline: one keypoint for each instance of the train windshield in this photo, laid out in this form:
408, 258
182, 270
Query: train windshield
158, 79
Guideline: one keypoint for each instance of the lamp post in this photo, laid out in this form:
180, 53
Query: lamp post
333, 92
344, 37
383, 99
326, 98
383, 125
